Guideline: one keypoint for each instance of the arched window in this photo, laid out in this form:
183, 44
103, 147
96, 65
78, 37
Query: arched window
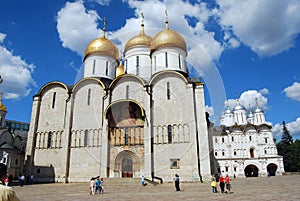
168, 91
53, 99
49, 139
252, 153
266, 140
86, 137
216, 140
127, 91
250, 138
89, 97
169, 134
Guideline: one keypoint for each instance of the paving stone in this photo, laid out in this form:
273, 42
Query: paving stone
259, 189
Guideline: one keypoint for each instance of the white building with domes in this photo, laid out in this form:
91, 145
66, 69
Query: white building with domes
140, 114
141, 117
243, 145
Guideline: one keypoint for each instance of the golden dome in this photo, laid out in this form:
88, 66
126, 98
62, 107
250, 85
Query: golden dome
120, 69
168, 38
140, 40
102, 46
2, 107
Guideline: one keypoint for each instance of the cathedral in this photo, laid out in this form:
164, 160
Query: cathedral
141, 114
131, 115
243, 144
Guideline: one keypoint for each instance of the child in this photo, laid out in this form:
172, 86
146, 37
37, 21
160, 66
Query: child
92, 187
214, 185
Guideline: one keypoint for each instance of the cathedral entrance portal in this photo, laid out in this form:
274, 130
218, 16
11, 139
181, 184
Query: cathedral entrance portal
127, 167
271, 168
127, 164
251, 171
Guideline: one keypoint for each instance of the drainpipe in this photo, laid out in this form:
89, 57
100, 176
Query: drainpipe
197, 133
69, 136
149, 92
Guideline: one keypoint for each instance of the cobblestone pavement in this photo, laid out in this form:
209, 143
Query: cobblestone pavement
285, 188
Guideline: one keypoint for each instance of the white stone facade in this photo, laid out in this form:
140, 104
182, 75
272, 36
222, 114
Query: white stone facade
245, 148
150, 121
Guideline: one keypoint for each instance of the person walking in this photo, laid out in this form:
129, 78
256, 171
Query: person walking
222, 183
98, 185
177, 182
92, 186
102, 185
6, 192
228, 183
143, 181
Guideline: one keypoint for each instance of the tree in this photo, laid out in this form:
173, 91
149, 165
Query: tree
286, 136
284, 148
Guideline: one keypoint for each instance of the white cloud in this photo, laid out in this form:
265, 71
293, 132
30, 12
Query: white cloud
2, 37
277, 132
102, 2
210, 110
250, 98
268, 27
294, 128
16, 74
293, 92
77, 27
264, 91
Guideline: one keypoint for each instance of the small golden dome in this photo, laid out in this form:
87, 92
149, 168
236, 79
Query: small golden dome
120, 69
2, 107
102, 46
168, 38
140, 40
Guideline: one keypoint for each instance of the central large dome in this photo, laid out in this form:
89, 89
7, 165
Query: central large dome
140, 40
102, 46
168, 38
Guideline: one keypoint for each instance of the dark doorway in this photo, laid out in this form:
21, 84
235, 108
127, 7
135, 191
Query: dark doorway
271, 168
251, 171
127, 167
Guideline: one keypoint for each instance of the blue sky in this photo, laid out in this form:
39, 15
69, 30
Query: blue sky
246, 49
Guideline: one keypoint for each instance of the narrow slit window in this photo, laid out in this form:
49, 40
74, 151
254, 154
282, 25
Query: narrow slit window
49, 140
168, 91
89, 97
126, 136
94, 66
127, 92
166, 58
86, 137
169, 134
53, 99
106, 69
179, 61
137, 65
